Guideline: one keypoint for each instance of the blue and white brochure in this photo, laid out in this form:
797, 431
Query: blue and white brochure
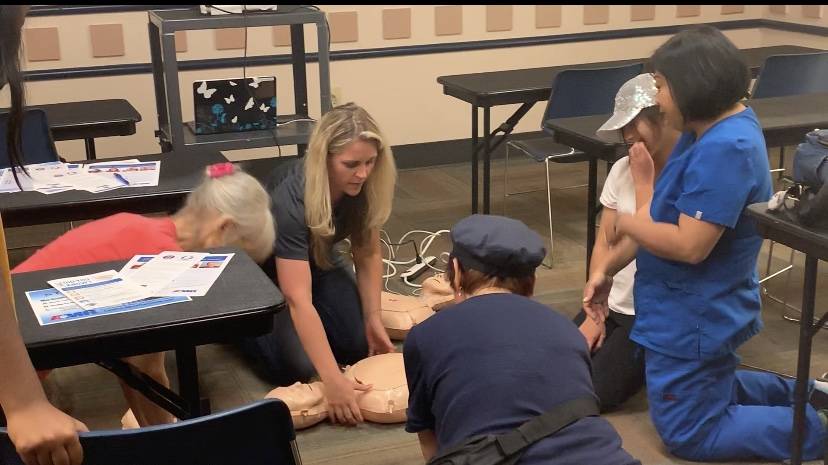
100, 290
50, 306
196, 281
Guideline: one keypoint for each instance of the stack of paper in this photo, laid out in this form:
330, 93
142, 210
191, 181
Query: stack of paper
146, 281
54, 177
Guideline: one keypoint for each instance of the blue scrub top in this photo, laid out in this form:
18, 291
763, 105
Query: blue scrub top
706, 310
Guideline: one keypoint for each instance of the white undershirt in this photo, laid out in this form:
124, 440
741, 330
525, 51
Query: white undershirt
619, 194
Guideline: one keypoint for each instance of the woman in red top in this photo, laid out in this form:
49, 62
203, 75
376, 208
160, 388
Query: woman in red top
229, 208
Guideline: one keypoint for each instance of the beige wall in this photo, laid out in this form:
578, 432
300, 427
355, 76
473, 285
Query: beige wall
401, 92
796, 14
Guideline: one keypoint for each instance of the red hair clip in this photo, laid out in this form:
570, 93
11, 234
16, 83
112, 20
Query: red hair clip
218, 170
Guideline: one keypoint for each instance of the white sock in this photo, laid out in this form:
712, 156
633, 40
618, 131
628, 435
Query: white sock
821, 386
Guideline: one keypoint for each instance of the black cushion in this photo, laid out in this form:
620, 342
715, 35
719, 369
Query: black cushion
545, 147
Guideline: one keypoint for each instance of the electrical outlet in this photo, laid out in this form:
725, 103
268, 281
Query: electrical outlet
336, 96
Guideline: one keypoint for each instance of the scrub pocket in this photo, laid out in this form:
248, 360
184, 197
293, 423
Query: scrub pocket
670, 317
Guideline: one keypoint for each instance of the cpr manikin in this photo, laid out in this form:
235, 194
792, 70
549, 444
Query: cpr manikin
386, 402
400, 313
306, 402
437, 292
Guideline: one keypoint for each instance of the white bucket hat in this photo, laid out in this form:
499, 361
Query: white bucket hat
635, 95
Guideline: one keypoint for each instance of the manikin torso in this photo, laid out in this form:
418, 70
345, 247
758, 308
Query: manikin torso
385, 403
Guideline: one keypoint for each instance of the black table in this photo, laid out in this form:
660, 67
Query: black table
90, 119
180, 173
240, 303
814, 244
785, 120
529, 86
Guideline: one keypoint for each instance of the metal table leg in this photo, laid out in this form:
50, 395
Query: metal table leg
592, 191
149, 387
487, 160
488, 147
474, 160
187, 364
90, 149
806, 333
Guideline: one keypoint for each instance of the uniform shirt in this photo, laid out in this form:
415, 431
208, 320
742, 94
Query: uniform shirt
116, 237
288, 208
494, 361
706, 310
619, 194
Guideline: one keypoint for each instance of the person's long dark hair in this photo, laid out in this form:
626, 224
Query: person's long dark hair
11, 25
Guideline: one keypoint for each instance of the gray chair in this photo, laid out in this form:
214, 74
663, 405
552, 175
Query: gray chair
577, 92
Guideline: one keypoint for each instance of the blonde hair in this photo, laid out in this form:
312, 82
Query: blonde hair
242, 198
335, 131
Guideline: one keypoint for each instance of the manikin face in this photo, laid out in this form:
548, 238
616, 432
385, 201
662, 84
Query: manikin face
666, 104
349, 169
641, 129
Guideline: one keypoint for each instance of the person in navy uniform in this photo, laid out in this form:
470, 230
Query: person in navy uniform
496, 358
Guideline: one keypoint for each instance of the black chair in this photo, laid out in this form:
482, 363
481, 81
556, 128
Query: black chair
36, 138
259, 433
577, 92
782, 75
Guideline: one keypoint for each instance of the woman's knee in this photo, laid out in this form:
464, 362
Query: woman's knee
151, 365
279, 357
683, 438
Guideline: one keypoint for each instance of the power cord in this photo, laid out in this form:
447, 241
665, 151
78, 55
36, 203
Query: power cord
420, 251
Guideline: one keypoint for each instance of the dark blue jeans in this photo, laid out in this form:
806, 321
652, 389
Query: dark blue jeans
280, 357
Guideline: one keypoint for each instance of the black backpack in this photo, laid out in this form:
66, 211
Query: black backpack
811, 176
507, 448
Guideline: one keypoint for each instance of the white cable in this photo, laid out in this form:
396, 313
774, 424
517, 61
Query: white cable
393, 250
295, 120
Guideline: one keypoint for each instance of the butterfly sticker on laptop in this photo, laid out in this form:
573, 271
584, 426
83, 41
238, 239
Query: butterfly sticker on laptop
203, 90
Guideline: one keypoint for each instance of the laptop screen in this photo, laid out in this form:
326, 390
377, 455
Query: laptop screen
234, 105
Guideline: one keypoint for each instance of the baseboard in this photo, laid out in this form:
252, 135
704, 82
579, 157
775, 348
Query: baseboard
406, 156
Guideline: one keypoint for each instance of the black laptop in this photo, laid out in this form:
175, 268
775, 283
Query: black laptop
234, 105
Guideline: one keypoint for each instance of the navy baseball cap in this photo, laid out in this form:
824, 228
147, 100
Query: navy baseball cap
497, 246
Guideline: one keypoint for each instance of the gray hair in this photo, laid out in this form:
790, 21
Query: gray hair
242, 198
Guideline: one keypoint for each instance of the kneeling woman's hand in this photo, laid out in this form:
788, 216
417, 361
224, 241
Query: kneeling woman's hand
377, 336
341, 394
596, 297
593, 333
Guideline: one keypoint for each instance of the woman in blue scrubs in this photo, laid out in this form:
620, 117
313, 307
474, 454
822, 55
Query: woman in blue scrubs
696, 288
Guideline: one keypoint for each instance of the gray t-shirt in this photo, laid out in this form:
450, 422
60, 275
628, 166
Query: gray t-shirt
287, 191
